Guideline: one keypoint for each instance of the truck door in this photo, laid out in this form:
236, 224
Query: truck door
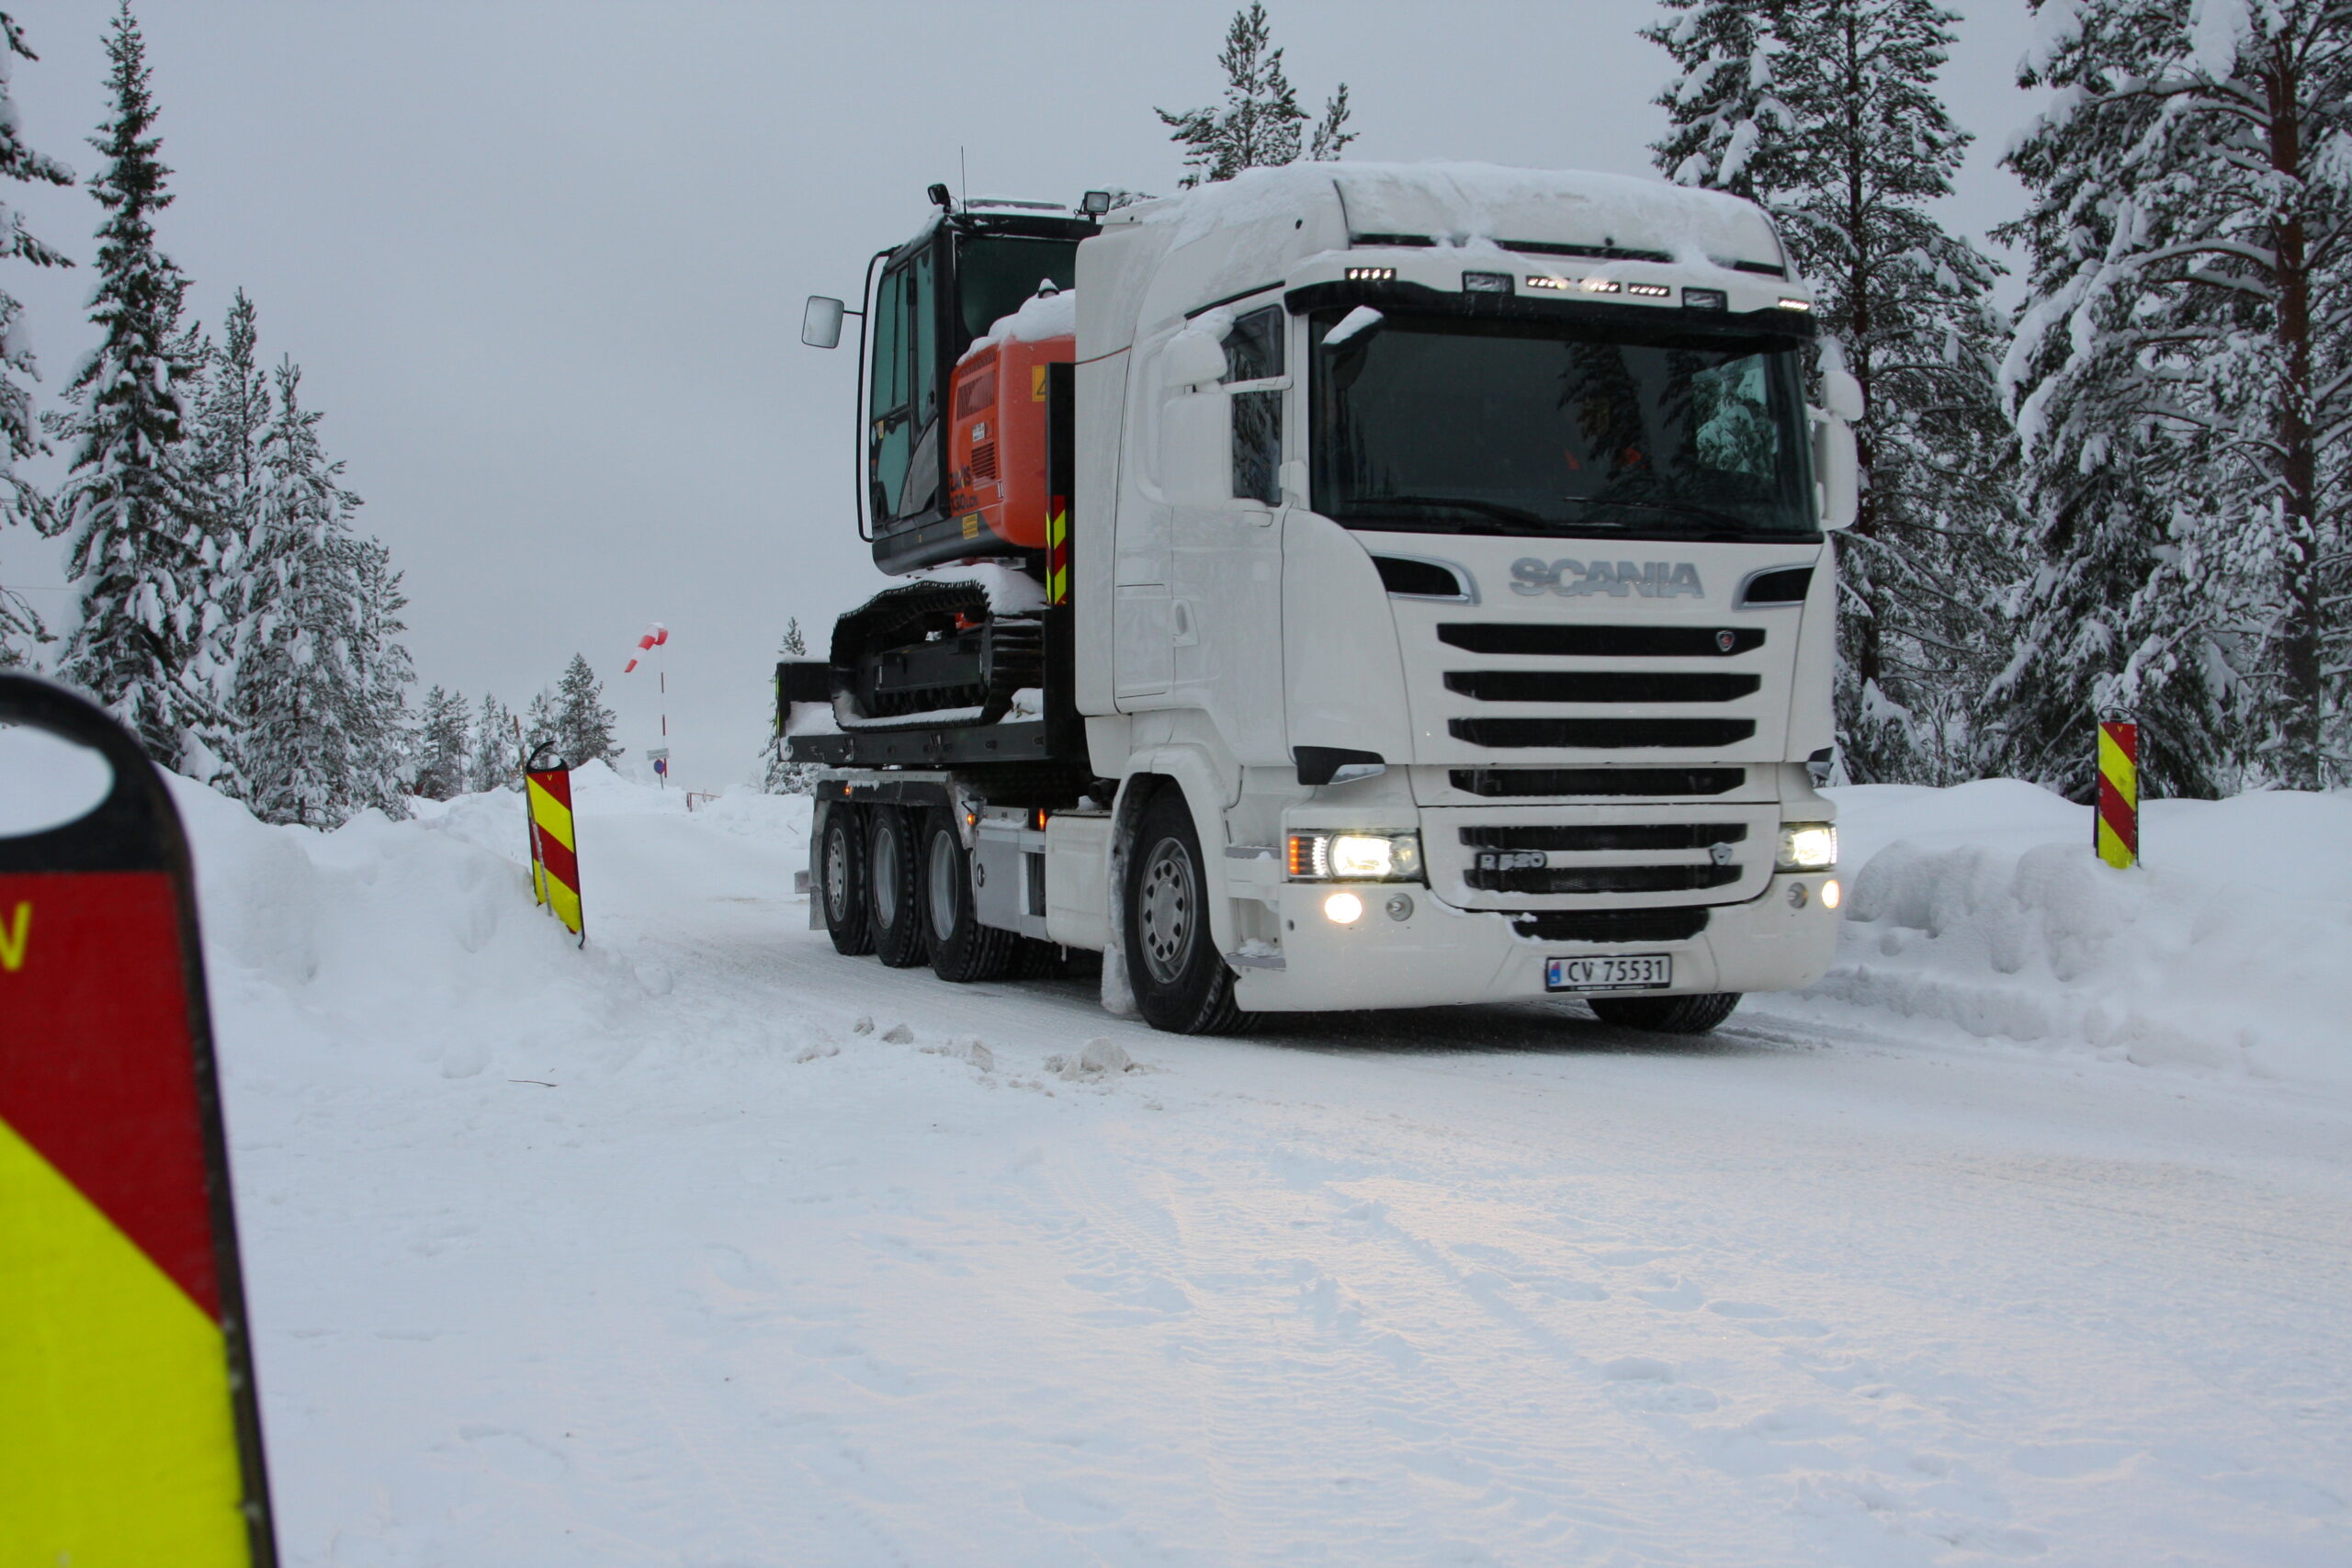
903, 432
1225, 617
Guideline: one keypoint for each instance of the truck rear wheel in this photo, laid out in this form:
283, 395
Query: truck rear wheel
893, 888
961, 948
1181, 983
1665, 1015
840, 879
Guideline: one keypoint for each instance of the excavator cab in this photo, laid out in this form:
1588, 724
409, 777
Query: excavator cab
932, 490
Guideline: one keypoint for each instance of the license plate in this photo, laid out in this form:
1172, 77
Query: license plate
1632, 972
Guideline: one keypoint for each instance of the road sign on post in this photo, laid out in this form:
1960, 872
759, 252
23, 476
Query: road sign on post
126, 1382
555, 844
2116, 830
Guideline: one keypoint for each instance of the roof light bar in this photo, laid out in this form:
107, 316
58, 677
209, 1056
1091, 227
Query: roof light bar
1650, 290
1796, 304
1371, 273
1603, 285
1547, 283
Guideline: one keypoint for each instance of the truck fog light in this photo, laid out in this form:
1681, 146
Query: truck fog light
1400, 907
1831, 894
1343, 908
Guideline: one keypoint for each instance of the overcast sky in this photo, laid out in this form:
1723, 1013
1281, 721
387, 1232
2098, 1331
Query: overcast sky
542, 264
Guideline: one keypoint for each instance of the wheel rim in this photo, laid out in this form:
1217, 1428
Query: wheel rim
837, 874
944, 852
886, 875
1164, 910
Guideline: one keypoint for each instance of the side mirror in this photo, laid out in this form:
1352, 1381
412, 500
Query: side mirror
820, 323
1837, 469
1191, 358
1841, 394
1196, 448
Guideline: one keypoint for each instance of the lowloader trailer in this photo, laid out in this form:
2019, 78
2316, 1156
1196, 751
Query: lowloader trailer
1344, 586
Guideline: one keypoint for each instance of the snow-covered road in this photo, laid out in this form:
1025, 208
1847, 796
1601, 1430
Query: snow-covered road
648, 1255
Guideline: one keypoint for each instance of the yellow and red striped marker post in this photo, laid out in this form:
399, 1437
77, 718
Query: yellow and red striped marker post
1058, 551
129, 1433
555, 846
2116, 834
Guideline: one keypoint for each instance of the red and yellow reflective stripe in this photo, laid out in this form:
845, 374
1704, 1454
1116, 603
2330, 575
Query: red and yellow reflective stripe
2118, 833
116, 1391
1057, 551
555, 851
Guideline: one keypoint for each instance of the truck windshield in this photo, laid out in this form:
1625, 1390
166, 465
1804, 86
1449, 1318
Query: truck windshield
996, 272
1436, 424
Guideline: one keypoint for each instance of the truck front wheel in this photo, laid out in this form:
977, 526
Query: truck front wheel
893, 893
1665, 1015
1181, 983
961, 948
840, 879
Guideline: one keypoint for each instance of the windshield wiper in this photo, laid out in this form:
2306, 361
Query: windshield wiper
1741, 526
1494, 509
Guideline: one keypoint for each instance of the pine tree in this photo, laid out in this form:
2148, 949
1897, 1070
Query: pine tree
494, 758
443, 761
2183, 374
384, 672
1825, 112
231, 420
1723, 108
1259, 124
133, 505
314, 660
19, 437
583, 725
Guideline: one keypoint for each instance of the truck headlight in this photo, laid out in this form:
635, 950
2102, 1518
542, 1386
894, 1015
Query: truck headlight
1355, 857
1807, 846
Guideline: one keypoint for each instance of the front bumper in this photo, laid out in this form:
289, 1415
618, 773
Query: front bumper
1442, 954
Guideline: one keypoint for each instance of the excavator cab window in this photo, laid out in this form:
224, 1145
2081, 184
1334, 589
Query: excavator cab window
887, 434
994, 273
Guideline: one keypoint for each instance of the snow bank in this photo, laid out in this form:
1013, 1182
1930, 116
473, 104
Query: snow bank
1981, 909
400, 946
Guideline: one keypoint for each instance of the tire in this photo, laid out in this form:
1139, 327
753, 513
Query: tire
1665, 1015
894, 887
840, 879
961, 948
1180, 982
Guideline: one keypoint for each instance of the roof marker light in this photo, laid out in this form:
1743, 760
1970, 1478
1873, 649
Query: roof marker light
1796, 304
1649, 290
1371, 273
1547, 283
1603, 285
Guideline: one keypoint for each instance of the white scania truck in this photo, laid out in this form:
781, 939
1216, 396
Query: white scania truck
1347, 586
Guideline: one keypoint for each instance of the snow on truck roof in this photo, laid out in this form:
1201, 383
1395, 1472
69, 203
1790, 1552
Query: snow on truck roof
1219, 238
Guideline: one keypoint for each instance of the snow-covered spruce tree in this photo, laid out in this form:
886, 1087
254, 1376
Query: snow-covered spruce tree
583, 725
1259, 124
1825, 112
308, 743
20, 435
139, 549
384, 672
493, 759
442, 760
231, 419
2183, 376
1723, 108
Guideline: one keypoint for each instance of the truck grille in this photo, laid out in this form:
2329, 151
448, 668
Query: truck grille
1598, 686
1612, 925
1600, 642
1665, 784
1601, 879
1602, 734
1614, 836
1635, 855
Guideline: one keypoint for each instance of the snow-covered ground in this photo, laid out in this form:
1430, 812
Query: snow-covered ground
2025, 1237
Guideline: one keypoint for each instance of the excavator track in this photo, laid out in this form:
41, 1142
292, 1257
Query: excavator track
927, 651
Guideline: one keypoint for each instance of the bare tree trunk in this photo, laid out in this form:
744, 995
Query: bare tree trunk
2301, 636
